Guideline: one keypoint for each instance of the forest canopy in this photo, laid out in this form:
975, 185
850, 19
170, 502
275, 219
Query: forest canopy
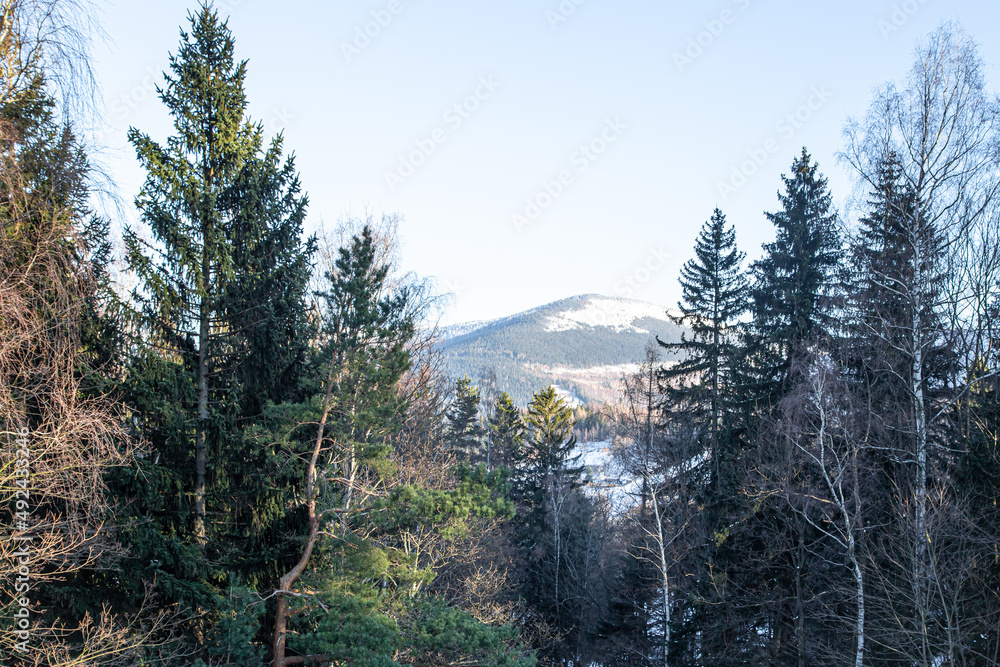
231, 442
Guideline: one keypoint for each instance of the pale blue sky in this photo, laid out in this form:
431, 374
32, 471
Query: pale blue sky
664, 132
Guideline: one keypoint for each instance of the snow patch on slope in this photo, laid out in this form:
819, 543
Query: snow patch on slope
619, 314
571, 399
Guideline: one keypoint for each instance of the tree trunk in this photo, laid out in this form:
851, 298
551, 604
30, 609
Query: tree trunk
800, 611
859, 626
920, 432
204, 337
556, 537
661, 542
286, 582
200, 454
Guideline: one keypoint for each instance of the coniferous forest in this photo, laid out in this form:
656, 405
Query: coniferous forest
228, 441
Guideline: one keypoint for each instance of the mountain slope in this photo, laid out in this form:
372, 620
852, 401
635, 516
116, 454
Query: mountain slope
583, 344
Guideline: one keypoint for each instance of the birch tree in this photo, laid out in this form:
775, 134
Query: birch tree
940, 131
820, 425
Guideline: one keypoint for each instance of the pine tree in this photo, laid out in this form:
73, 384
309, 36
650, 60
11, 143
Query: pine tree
794, 282
715, 296
464, 432
382, 533
367, 327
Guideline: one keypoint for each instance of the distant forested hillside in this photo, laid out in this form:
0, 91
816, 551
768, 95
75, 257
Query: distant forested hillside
583, 344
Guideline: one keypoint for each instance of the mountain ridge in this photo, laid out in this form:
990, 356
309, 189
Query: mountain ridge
583, 344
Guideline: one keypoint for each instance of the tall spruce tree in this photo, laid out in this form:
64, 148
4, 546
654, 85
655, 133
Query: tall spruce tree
902, 354
715, 296
697, 399
795, 281
791, 299
221, 296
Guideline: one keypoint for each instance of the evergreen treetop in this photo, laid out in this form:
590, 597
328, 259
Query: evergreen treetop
795, 280
463, 432
550, 442
715, 296
506, 431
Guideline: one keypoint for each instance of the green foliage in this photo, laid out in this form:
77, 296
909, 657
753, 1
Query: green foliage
715, 296
438, 634
701, 384
794, 282
505, 431
366, 327
463, 431
550, 443
363, 627
448, 513
353, 629
236, 621
373, 576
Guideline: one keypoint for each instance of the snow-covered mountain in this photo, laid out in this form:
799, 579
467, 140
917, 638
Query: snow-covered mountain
622, 315
583, 345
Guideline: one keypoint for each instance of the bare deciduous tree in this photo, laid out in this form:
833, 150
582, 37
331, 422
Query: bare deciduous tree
819, 422
941, 129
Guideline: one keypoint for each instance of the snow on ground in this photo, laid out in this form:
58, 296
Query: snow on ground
456, 330
618, 313
604, 478
612, 370
595, 455
572, 400
601, 474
